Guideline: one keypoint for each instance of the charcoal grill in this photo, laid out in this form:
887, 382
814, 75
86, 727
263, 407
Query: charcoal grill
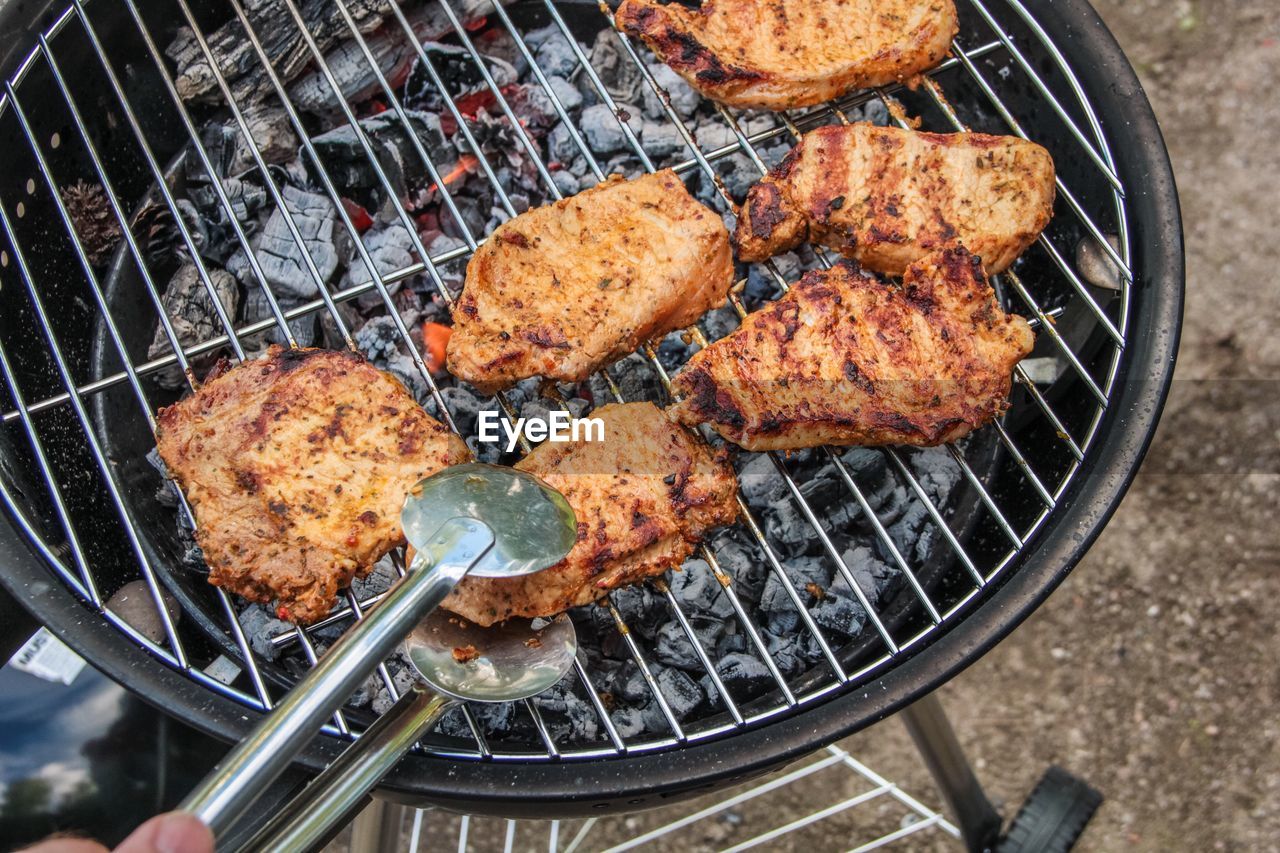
90, 96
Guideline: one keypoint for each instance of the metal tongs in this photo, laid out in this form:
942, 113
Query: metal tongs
483, 520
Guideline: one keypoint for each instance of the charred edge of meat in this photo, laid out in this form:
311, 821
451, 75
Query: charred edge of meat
707, 400
680, 49
769, 225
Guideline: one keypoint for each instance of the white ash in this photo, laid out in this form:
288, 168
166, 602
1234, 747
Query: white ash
257, 307
277, 251
684, 100
602, 128
567, 93
391, 249
661, 140
552, 50
192, 314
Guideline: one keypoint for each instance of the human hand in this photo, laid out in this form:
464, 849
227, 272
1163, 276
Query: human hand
175, 832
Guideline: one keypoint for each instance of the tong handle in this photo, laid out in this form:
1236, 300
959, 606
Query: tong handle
261, 757
330, 798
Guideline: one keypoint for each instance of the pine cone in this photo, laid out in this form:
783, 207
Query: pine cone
95, 224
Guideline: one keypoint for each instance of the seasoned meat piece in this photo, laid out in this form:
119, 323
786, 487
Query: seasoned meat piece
643, 497
563, 290
886, 197
844, 358
296, 466
792, 53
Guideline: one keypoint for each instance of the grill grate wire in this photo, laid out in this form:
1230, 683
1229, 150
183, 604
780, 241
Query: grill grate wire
80, 575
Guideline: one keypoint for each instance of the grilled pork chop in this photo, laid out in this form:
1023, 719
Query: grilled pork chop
783, 54
296, 466
844, 358
565, 289
886, 197
643, 497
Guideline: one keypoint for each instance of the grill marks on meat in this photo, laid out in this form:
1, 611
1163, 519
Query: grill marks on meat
784, 54
844, 358
565, 289
886, 197
643, 497
296, 466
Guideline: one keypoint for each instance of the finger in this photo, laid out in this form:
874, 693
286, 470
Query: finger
174, 832
66, 845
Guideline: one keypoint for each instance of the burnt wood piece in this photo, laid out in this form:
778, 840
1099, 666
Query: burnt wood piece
284, 45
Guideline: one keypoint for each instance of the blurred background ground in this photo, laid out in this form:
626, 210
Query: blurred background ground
1152, 671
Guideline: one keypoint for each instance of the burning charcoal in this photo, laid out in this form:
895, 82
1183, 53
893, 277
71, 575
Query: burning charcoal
565, 182
789, 529
552, 50
761, 483
936, 471
532, 105
363, 693
661, 140
696, 588
823, 490
743, 675
345, 161
674, 351
719, 322
683, 99
565, 714
872, 574
567, 93
272, 134
391, 248
908, 533
259, 627
191, 312
95, 224
810, 576
634, 377
382, 701
712, 132
738, 172
602, 129
283, 44
840, 613
747, 571
673, 647
875, 112
464, 405
785, 651
729, 644
628, 684
461, 76
560, 144
378, 580
454, 724
257, 307
378, 340
279, 255
682, 693
866, 465
626, 164
167, 492
628, 721
621, 77
641, 608
356, 79
473, 220
246, 198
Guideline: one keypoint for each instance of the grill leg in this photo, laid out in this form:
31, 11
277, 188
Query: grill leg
377, 828
928, 726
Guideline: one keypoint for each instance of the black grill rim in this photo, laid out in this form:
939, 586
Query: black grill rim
593, 788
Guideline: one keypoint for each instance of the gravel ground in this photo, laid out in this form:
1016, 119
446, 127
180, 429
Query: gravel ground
1151, 672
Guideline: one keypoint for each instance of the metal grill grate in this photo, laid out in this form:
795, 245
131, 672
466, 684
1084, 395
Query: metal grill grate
58, 135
